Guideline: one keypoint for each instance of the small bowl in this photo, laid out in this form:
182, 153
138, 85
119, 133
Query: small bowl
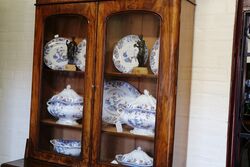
67, 147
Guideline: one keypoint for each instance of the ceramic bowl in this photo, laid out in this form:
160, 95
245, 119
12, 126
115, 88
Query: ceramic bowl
66, 114
67, 147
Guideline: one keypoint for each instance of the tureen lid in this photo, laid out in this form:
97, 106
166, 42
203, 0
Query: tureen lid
144, 101
67, 96
136, 157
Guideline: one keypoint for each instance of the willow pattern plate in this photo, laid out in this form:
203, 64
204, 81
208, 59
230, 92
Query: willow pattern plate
55, 53
154, 57
125, 54
117, 95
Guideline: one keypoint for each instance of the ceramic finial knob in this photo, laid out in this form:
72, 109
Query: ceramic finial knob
56, 36
146, 92
138, 148
68, 87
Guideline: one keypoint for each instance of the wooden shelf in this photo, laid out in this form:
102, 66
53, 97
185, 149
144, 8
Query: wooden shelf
46, 69
123, 75
111, 129
52, 122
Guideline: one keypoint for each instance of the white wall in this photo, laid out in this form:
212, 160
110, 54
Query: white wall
16, 47
213, 38
210, 84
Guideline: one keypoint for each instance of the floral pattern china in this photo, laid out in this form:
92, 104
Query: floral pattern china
67, 106
125, 54
154, 57
117, 96
55, 53
80, 56
67, 147
136, 158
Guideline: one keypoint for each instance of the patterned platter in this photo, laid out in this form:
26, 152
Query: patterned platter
125, 54
80, 57
154, 57
117, 96
55, 53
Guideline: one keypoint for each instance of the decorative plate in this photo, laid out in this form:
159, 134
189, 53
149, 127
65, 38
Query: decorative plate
117, 95
125, 54
80, 56
154, 57
136, 158
55, 53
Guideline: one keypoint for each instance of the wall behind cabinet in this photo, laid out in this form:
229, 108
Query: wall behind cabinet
213, 40
16, 52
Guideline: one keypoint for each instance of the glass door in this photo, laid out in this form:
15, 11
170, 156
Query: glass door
127, 79
63, 68
130, 84
62, 90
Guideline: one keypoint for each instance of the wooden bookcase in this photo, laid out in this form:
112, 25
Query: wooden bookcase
103, 24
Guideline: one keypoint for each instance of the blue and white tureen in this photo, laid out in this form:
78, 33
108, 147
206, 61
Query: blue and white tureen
67, 106
140, 114
136, 158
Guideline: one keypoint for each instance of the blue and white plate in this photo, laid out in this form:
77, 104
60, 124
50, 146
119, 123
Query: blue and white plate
55, 53
154, 57
125, 54
117, 95
80, 57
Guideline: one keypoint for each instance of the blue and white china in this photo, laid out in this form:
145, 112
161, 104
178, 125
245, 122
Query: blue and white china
142, 121
66, 114
154, 57
55, 53
140, 114
67, 96
80, 56
136, 158
125, 54
145, 102
67, 106
67, 147
248, 83
117, 96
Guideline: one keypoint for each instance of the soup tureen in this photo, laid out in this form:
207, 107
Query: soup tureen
140, 115
67, 106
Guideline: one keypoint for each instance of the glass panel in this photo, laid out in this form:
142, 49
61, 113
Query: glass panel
130, 85
245, 154
62, 88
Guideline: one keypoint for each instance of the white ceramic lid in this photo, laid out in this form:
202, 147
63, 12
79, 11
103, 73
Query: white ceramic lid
135, 158
67, 96
144, 102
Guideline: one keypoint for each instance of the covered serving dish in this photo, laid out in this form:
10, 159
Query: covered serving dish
136, 158
140, 115
67, 106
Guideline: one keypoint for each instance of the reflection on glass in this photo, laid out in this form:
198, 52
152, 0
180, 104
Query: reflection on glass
130, 86
245, 155
62, 84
